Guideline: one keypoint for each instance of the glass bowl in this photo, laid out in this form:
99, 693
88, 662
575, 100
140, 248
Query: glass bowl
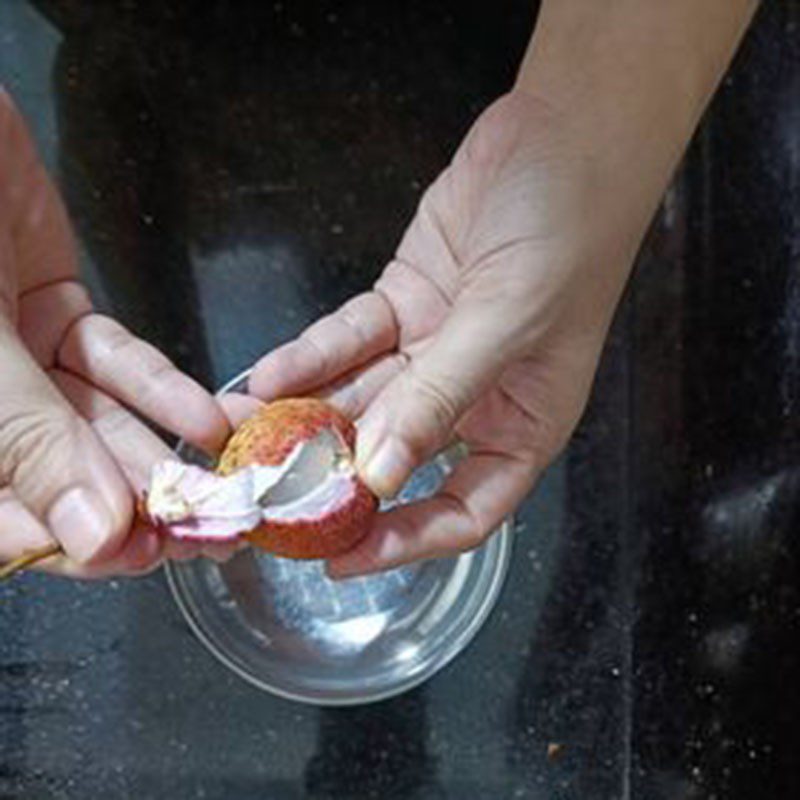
286, 628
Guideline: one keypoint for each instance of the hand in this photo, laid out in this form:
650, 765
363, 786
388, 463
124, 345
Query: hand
488, 324
490, 320
73, 456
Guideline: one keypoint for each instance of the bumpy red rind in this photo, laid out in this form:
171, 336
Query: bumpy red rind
268, 438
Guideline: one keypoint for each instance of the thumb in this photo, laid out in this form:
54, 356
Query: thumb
415, 415
53, 463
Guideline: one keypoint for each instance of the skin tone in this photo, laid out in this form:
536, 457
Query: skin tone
489, 322
487, 325
73, 458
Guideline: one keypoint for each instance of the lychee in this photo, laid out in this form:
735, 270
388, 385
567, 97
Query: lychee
285, 482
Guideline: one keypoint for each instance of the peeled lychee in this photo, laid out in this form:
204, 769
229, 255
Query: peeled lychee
285, 482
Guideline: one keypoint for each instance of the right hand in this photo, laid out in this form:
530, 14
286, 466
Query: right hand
491, 318
487, 325
73, 456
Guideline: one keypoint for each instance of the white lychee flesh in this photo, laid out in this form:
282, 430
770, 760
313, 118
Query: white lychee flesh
190, 502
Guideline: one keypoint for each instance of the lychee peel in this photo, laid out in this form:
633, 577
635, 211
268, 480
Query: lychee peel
285, 482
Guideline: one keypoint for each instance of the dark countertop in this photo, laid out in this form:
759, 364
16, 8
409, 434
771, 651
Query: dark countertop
232, 174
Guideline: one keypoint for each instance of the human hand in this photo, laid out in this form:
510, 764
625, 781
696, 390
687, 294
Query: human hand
489, 322
73, 455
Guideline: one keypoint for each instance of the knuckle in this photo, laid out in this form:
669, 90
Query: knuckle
547, 443
32, 435
399, 361
74, 351
113, 423
117, 341
474, 533
158, 368
351, 320
473, 538
315, 347
438, 400
369, 316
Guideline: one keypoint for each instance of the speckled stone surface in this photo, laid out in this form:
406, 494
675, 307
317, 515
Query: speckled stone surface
234, 170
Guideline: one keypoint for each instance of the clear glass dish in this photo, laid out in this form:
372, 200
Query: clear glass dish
286, 628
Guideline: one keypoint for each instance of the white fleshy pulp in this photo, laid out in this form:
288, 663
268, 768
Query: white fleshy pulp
191, 502
335, 491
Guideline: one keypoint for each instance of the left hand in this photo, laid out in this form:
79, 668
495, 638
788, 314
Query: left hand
71, 387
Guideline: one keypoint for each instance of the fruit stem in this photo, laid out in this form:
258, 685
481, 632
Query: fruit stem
11, 568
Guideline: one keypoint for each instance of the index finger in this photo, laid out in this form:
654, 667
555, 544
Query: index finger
108, 356
363, 328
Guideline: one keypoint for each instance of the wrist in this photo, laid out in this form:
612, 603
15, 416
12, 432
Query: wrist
634, 70
623, 83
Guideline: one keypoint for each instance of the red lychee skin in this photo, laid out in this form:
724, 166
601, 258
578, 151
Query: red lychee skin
268, 438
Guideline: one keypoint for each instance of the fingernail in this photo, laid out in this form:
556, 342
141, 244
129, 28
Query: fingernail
386, 469
80, 522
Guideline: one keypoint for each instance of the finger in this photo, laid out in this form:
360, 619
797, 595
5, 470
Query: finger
56, 465
27, 533
478, 495
22, 532
361, 329
238, 407
353, 393
142, 552
139, 554
45, 315
45, 260
109, 357
223, 551
415, 414
181, 549
60, 473
136, 449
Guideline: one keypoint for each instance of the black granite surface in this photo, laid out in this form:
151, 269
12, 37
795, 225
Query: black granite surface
235, 169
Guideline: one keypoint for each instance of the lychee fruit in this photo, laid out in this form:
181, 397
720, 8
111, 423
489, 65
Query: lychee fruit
285, 483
